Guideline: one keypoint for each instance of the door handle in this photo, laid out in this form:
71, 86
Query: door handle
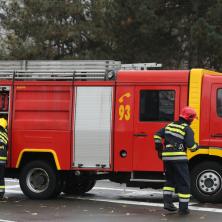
140, 134
217, 135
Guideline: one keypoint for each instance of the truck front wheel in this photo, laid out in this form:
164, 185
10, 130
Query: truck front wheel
206, 182
39, 180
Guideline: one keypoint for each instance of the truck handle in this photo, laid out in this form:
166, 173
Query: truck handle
217, 135
140, 134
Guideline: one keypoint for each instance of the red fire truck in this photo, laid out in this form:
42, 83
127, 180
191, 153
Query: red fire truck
74, 122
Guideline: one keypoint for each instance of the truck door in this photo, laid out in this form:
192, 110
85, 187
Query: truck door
155, 106
216, 115
93, 126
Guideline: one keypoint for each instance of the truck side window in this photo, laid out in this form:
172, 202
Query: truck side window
219, 102
157, 105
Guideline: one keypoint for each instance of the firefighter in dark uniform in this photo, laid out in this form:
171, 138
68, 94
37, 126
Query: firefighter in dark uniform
177, 137
3, 154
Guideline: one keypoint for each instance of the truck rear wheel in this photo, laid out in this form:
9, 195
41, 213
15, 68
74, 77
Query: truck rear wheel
206, 182
78, 187
39, 180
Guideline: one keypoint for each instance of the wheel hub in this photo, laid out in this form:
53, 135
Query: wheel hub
40, 180
37, 180
209, 182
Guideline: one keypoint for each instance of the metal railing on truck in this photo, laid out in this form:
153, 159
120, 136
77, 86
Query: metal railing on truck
67, 69
59, 70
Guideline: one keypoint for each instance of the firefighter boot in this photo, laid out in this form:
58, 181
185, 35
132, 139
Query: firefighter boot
183, 208
168, 203
2, 195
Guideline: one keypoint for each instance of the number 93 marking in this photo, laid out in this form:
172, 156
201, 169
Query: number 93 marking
124, 112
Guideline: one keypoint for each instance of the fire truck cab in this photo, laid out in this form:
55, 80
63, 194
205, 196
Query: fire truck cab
74, 122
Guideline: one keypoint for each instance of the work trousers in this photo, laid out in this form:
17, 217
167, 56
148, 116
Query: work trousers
2, 180
177, 180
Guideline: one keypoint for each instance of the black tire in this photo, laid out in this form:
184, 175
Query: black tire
59, 187
39, 180
206, 182
78, 187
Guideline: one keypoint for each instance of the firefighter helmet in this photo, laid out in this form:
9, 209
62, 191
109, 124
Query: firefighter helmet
3, 123
188, 114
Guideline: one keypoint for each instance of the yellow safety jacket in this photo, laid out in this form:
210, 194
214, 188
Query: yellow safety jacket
3, 145
177, 137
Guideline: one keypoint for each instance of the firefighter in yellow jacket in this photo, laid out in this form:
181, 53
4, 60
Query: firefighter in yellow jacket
3, 154
177, 137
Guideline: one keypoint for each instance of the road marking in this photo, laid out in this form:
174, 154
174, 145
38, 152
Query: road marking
150, 204
127, 190
12, 186
11, 180
110, 188
13, 191
138, 193
205, 209
1, 220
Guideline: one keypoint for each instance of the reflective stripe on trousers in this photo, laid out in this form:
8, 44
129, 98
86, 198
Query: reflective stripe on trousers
2, 189
184, 197
174, 156
168, 190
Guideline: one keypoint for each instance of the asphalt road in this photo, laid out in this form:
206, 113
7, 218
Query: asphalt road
106, 202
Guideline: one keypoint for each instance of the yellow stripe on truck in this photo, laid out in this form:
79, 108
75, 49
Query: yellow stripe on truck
195, 97
39, 151
213, 151
195, 88
200, 151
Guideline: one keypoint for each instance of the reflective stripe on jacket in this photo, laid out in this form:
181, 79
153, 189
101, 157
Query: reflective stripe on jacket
178, 137
3, 145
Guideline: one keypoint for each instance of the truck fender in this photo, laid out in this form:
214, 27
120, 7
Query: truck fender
28, 150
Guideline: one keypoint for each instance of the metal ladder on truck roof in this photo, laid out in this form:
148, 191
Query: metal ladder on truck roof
67, 69
141, 66
59, 70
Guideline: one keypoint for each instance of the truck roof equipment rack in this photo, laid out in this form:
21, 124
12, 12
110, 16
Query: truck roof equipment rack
79, 70
141, 66
59, 70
